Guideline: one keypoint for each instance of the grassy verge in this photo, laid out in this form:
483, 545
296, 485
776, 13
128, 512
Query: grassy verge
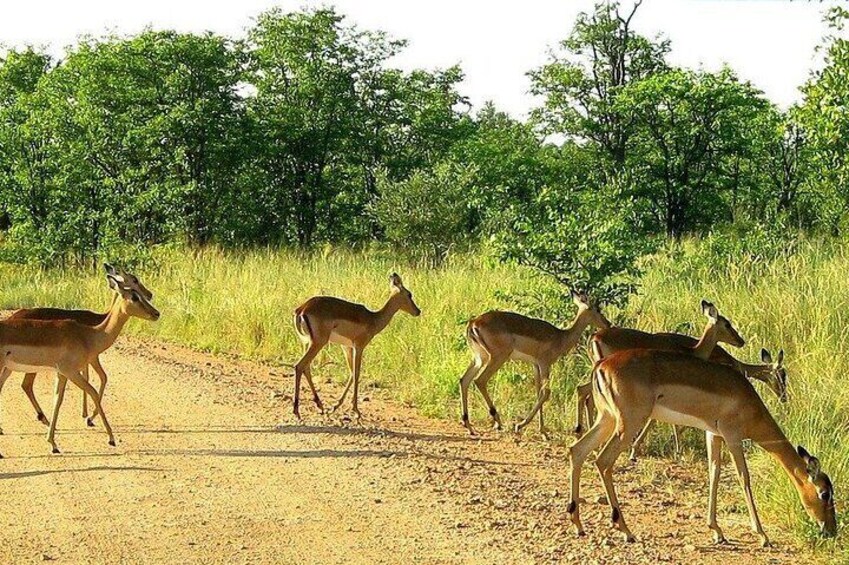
242, 303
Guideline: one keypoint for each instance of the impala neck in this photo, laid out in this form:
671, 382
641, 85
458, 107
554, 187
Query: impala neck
772, 440
110, 328
571, 335
762, 373
385, 314
707, 343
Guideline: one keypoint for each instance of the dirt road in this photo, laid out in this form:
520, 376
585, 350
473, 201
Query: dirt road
210, 467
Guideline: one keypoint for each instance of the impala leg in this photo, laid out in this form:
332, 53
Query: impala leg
578, 453
101, 373
605, 462
640, 439
358, 363
543, 393
489, 369
583, 392
79, 379
714, 453
58, 396
465, 381
300, 367
85, 396
349, 360
739, 457
27, 385
315, 398
676, 438
4, 374
589, 408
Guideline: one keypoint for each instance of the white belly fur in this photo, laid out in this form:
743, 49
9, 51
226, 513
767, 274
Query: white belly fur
664, 414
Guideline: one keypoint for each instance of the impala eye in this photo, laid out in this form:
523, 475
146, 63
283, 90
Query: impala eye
825, 496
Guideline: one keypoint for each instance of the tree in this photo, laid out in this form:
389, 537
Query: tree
579, 85
825, 120
584, 234
691, 130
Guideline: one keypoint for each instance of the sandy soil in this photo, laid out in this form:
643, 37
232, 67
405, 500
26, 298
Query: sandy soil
211, 467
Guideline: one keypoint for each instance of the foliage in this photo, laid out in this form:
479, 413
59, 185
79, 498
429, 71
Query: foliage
825, 120
428, 211
587, 240
691, 130
582, 80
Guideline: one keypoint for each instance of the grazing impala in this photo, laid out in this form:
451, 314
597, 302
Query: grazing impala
87, 318
325, 319
68, 347
496, 336
631, 387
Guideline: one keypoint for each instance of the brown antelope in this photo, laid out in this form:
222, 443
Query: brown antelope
85, 317
631, 387
496, 336
325, 319
718, 329
68, 347
614, 339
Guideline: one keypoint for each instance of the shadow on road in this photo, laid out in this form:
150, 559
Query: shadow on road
28, 474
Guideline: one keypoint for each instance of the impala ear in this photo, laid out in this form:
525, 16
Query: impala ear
709, 310
395, 280
110, 270
113, 282
780, 361
766, 357
812, 463
580, 299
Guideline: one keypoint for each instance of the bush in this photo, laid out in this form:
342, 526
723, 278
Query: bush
430, 210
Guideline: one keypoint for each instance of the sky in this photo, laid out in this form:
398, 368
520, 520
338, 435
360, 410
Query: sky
769, 42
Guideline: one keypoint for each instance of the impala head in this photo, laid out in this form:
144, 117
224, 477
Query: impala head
725, 331
404, 296
128, 279
818, 494
132, 302
590, 311
778, 382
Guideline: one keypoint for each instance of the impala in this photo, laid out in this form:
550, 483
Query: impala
718, 329
631, 387
325, 319
604, 342
495, 337
68, 347
87, 318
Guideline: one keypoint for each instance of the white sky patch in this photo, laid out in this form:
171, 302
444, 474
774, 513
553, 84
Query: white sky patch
769, 42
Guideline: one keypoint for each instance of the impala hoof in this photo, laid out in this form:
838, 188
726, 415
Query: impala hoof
43, 419
112, 442
89, 422
55, 450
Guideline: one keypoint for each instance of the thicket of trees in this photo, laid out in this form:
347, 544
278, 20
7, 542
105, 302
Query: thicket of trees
304, 133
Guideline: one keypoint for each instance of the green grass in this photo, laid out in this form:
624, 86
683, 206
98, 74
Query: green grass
242, 302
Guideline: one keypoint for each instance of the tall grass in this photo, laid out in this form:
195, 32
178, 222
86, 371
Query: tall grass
242, 302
